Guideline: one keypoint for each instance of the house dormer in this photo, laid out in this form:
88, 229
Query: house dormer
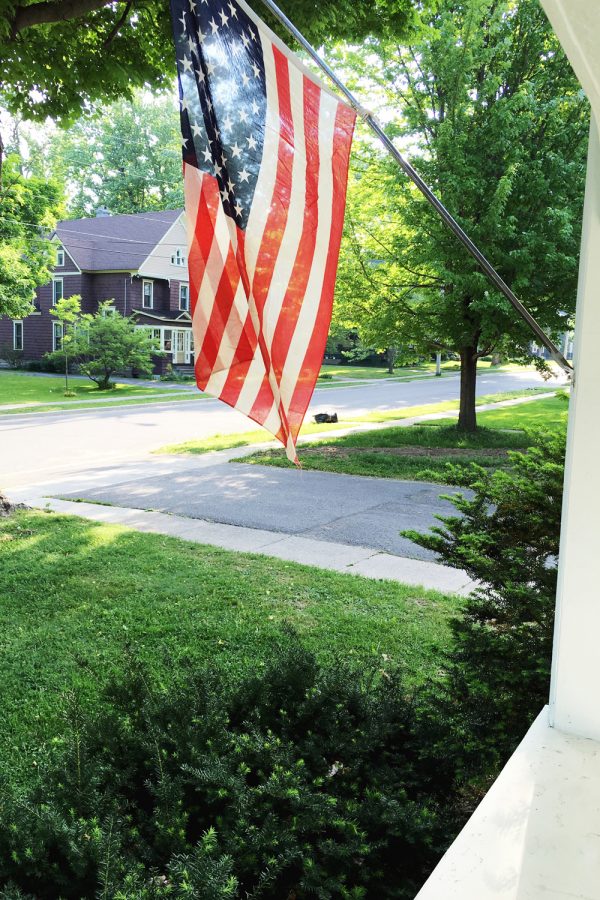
168, 258
62, 262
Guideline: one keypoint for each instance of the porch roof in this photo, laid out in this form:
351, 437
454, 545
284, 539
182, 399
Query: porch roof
577, 26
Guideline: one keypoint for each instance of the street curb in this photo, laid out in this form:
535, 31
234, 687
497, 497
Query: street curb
348, 559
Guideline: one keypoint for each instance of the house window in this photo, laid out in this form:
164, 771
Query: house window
57, 290
167, 340
147, 294
108, 311
184, 297
178, 259
60, 256
57, 335
17, 335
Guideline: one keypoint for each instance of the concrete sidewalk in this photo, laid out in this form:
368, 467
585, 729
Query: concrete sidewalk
345, 558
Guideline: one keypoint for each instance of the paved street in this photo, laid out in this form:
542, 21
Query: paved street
35, 448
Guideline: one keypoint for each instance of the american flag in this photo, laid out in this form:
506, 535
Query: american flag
265, 157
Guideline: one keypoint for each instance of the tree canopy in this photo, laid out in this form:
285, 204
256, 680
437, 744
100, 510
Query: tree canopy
127, 157
57, 56
29, 207
496, 123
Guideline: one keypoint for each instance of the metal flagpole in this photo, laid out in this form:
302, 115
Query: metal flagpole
437, 204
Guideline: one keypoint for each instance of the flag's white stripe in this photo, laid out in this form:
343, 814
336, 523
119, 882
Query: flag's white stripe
273, 421
290, 242
192, 189
312, 297
257, 220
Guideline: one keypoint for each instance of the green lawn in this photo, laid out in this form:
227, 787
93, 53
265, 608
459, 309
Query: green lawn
78, 598
369, 372
19, 387
448, 367
247, 438
151, 397
426, 452
549, 413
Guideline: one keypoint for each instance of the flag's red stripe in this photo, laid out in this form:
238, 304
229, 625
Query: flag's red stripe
344, 127
246, 344
199, 255
294, 296
202, 240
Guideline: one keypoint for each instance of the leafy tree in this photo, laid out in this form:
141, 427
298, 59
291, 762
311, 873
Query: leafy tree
58, 56
107, 342
496, 123
68, 313
28, 209
127, 157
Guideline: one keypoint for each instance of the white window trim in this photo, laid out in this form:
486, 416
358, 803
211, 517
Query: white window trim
151, 283
15, 323
108, 311
60, 253
62, 289
55, 327
187, 287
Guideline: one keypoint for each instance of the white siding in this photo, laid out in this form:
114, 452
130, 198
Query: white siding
158, 264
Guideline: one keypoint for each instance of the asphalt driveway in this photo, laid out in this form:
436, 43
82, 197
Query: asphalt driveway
346, 509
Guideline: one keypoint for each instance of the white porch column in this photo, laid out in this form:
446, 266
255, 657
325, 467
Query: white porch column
575, 687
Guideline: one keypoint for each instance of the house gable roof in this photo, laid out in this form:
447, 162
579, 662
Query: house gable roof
107, 243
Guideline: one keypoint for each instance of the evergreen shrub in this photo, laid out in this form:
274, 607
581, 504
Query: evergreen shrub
303, 780
507, 539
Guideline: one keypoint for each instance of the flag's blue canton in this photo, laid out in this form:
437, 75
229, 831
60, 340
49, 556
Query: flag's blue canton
223, 97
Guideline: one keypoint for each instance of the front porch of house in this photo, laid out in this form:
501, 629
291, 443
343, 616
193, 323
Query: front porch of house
175, 339
536, 833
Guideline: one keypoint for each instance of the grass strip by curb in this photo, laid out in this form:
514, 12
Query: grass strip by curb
249, 438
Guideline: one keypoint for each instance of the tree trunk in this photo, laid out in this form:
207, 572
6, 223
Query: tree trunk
438, 364
467, 417
496, 359
391, 356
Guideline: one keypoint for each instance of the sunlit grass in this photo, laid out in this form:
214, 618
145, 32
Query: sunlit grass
426, 452
79, 599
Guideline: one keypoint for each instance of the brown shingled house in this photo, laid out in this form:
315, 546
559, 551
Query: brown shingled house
138, 261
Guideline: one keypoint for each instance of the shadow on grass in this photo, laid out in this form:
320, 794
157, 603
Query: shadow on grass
77, 598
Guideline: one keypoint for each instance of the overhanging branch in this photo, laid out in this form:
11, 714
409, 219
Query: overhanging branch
51, 11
